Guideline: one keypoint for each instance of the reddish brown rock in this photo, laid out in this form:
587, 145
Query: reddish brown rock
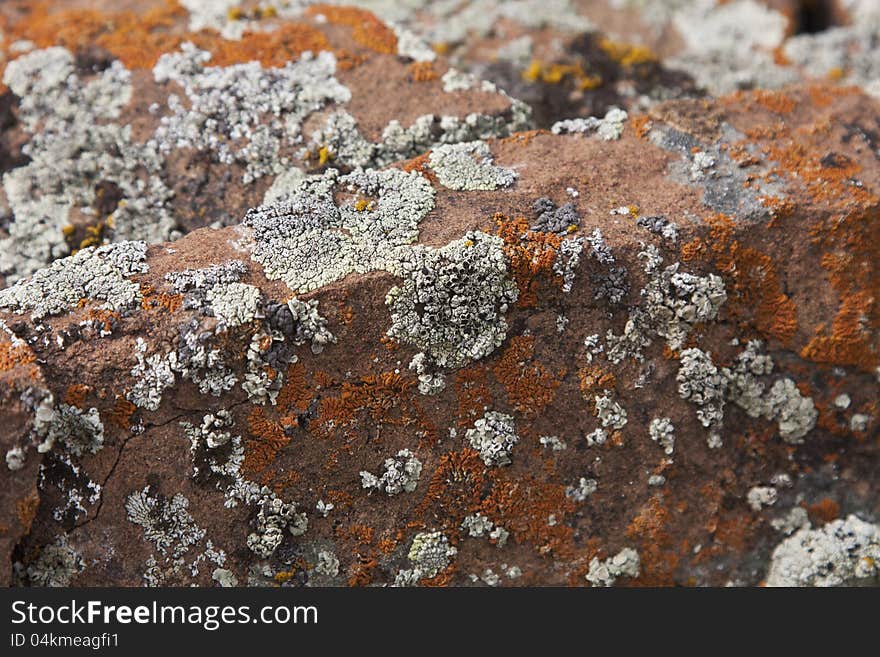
781, 212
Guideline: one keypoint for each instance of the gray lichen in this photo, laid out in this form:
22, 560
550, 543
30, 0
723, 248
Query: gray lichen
166, 522
75, 145
244, 113
401, 474
98, 274
842, 553
623, 564
469, 166
452, 302
608, 128
663, 433
308, 241
493, 436
429, 553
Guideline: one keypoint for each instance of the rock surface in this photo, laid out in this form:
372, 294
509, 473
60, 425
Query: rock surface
638, 348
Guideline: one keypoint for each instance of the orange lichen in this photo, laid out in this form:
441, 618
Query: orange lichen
556, 73
120, 414
473, 394
268, 439
369, 402
26, 510
524, 506
531, 255
75, 395
420, 164
455, 488
777, 102
12, 356
627, 55
422, 72
138, 39
529, 385
754, 285
153, 300
823, 511
657, 554
366, 29
593, 380
641, 125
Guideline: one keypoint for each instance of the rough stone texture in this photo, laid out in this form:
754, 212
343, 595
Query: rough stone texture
644, 360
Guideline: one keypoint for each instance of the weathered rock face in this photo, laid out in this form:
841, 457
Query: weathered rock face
633, 350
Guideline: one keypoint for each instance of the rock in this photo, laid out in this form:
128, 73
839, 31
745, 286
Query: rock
355, 375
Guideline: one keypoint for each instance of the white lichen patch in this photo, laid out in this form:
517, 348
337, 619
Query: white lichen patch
582, 490
452, 302
75, 150
152, 375
701, 383
166, 522
493, 436
842, 553
234, 304
609, 412
608, 128
400, 474
98, 274
57, 564
663, 433
244, 113
78, 432
429, 553
760, 496
623, 564
308, 241
469, 166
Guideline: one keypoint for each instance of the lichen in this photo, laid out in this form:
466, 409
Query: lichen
623, 564
401, 474
469, 166
493, 436
98, 274
244, 113
429, 553
308, 241
842, 553
452, 302
608, 128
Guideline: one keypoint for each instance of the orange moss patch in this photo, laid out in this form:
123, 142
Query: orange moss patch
12, 356
473, 394
531, 255
754, 285
455, 489
422, 72
823, 511
524, 507
367, 29
530, 386
26, 510
120, 414
260, 451
75, 395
